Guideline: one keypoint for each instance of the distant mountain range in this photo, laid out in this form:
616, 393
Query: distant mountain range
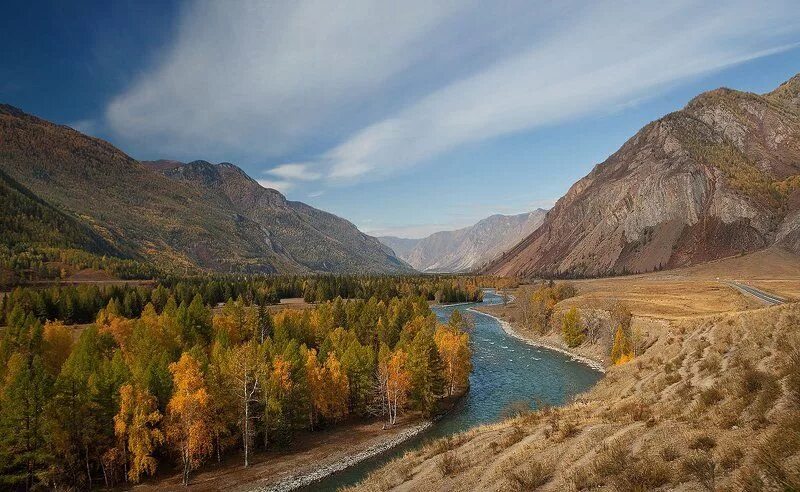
83, 192
718, 178
468, 248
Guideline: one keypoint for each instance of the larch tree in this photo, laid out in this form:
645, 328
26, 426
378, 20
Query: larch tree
336, 389
136, 428
395, 381
188, 415
456, 355
571, 328
622, 350
57, 346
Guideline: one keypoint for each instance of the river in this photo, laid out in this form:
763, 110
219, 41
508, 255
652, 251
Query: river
505, 371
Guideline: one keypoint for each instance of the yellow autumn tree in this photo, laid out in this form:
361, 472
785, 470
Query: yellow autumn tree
571, 328
395, 381
136, 429
316, 385
336, 389
189, 429
57, 345
622, 350
456, 355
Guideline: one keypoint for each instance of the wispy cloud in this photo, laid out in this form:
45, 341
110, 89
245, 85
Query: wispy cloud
238, 71
88, 126
605, 58
374, 88
295, 171
280, 185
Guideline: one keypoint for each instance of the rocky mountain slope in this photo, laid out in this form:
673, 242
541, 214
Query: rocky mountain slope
177, 219
468, 248
718, 178
310, 237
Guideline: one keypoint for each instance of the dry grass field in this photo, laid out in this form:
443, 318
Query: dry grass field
711, 402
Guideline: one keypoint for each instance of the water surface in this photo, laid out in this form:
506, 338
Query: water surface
505, 371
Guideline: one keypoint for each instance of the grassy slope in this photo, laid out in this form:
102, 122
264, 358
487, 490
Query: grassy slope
710, 392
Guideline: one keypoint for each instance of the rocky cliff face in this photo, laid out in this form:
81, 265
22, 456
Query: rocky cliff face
468, 248
717, 178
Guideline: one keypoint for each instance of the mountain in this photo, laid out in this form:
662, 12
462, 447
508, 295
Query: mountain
468, 248
310, 237
718, 178
400, 246
212, 217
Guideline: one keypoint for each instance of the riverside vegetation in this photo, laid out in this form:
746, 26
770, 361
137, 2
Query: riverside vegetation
170, 374
698, 402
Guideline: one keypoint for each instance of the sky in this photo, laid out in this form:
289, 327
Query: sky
404, 117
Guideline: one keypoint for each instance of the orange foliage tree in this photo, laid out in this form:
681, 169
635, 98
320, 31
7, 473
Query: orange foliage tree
394, 380
188, 415
136, 429
57, 345
456, 355
328, 385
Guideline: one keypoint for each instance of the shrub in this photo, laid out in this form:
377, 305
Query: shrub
703, 443
642, 475
711, 363
710, 396
450, 464
529, 477
669, 453
702, 468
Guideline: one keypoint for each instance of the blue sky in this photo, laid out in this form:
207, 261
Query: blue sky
403, 117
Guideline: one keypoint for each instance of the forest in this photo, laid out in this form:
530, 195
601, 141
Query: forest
178, 374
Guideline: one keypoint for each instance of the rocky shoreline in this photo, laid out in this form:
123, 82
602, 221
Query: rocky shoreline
509, 329
304, 479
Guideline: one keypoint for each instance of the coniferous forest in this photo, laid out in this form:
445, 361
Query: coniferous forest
102, 386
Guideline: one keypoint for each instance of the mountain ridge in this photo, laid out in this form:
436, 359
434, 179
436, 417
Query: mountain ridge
467, 248
717, 178
179, 221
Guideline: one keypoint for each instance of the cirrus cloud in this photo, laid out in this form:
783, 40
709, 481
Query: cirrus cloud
371, 89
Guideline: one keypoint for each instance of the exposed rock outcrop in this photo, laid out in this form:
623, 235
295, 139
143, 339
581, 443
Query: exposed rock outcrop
718, 178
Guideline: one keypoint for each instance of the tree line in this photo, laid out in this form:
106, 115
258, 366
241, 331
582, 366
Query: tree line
536, 307
186, 382
81, 303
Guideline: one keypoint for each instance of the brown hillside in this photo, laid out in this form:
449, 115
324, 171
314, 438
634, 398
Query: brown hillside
718, 178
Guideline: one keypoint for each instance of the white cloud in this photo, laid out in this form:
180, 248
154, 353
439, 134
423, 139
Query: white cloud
240, 71
297, 171
605, 58
386, 85
280, 185
87, 127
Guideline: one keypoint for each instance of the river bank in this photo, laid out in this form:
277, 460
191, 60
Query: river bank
496, 312
313, 456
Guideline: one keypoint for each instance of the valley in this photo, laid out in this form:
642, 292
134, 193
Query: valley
678, 415
407, 247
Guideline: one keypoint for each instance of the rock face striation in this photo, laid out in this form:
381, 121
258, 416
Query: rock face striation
466, 249
212, 217
718, 178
